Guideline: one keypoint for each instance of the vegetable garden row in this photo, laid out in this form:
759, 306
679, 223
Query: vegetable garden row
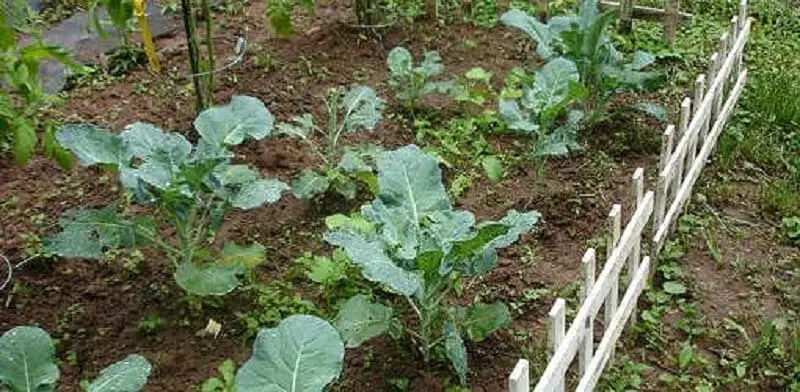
409, 240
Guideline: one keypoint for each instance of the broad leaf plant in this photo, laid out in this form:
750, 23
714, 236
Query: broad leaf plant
355, 109
193, 185
415, 245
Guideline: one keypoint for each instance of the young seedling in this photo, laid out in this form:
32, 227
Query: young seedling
543, 100
28, 363
412, 84
413, 243
193, 185
355, 109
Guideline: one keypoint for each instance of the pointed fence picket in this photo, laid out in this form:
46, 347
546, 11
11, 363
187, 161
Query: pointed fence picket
685, 149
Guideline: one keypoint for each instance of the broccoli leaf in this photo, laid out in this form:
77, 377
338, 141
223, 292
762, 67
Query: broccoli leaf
455, 350
309, 184
92, 145
302, 354
86, 233
127, 375
362, 108
244, 117
360, 320
208, 279
27, 360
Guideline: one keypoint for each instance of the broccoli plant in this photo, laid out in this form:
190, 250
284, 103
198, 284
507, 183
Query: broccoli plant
303, 353
193, 185
28, 363
584, 40
542, 104
413, 243
352, 110
411, 83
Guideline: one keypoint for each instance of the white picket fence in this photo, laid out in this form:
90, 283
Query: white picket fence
679, 168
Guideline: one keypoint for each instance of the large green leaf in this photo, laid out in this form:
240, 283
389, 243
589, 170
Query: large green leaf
483, 319
245, 256
92, 145
538, 31
208, 279
86, 233
127, 375
517, 119
244, 117
551, 84
145, 140
360, 320
517, 223
455, 350
410, 179
309, 184
400, 63
257, 193
302, 354
374, 262
431, 64
27, 360
362, 108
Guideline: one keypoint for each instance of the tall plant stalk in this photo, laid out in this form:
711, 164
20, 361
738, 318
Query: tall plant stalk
194, 61
209, 53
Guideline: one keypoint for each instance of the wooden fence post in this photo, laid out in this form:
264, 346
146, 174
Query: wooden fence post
671, 21
588, 266
626, 16
699, 94
662, 187
683, 125
557, 322
636, 254
615, 230
713, 67
519, 380
720, 93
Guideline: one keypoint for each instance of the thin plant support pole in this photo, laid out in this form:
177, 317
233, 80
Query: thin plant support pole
194, 61
147, 38
209, 96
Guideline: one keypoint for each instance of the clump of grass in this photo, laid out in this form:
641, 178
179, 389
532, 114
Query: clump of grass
777, 98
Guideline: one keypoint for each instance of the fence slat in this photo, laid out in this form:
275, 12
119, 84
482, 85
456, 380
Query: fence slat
637, 192
705, 106
560, 361
683, 124
697, 167
588, 266
615, 227
519, 380
614, 330
557, 322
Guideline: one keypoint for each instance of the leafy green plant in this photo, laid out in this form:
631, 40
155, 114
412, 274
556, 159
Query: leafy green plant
543, 102
194, 185
474, 87
120, 13
28, 363
337, 277
412, 83
303, 353
413, 243
583, 39
226, 382
22, 97
355, 109
279, 13
791, 229
270, 303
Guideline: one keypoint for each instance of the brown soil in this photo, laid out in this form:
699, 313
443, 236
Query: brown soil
94, 309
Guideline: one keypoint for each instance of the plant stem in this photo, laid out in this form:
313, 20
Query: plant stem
194, 62
209, 53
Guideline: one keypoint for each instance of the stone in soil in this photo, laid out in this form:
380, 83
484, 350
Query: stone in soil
76, 34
